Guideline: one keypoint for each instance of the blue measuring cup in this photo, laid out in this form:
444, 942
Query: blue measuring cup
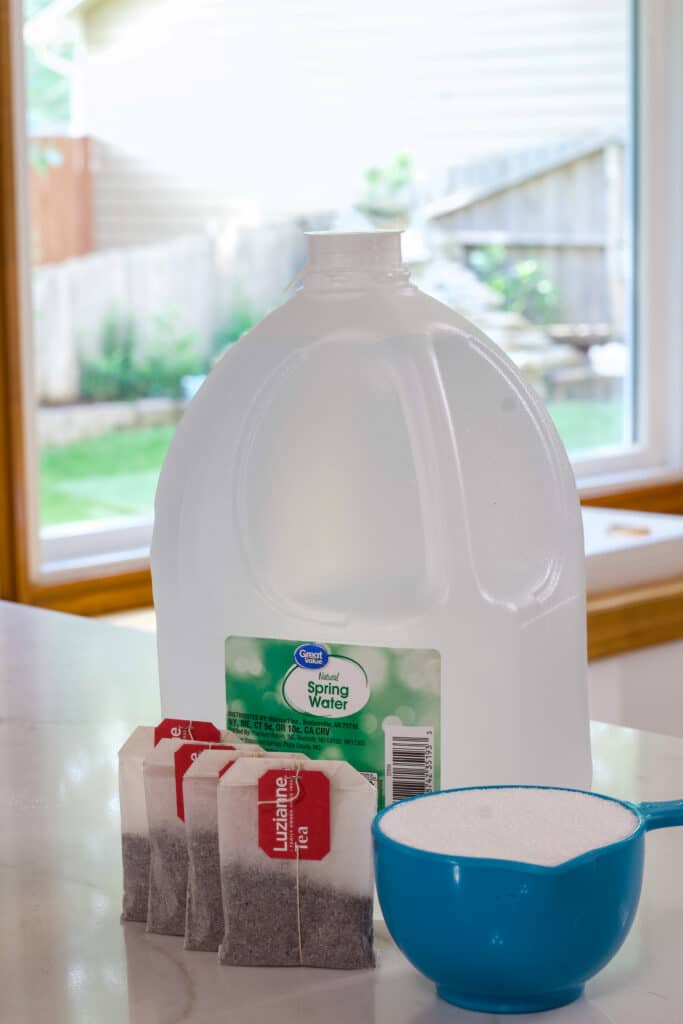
504, 936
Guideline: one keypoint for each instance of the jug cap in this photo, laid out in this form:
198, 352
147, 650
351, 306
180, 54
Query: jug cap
354, 250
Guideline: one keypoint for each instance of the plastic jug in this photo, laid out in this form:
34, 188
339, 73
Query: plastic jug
365, 467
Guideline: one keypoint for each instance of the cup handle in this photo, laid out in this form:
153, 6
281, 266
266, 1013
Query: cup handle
662, 813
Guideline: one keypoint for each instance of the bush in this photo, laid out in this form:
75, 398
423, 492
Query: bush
171, 356
390, 188
111, 375
523, 285
239, 322
120, 372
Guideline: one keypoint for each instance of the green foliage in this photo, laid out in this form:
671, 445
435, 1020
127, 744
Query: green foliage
171, 356
42, 157
111, 374
241, 320
48, 94
48, 98
120, 371
32, 7
523, 285
390, 187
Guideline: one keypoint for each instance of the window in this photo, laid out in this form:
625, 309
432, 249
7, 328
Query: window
169, 156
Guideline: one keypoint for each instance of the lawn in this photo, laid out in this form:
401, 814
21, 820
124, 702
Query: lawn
113, 475
584, 425
116, 475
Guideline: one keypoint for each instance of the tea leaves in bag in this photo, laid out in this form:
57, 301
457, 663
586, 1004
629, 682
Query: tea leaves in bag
296, 864
204, 916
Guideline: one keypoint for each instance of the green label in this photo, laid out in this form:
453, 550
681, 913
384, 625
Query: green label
378, 708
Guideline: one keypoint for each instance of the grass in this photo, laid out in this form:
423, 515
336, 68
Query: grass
116, 475
587, 425
113, 475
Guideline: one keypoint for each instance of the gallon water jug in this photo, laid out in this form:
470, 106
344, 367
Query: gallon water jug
366, 514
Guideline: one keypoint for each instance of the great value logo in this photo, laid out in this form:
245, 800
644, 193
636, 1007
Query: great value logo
311, 656
336, 689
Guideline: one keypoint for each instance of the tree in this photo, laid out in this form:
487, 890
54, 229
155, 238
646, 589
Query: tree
47, 92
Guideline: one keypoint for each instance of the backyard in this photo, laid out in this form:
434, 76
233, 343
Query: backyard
116, 475
103, 477
122, 327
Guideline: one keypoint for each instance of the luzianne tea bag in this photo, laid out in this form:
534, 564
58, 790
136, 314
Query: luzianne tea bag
204, 915
167, 841
296, 864
134, 829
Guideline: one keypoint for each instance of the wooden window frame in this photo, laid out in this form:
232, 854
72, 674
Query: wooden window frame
623, 620
112, 589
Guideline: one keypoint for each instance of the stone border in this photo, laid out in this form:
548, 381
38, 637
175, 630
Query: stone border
64, 424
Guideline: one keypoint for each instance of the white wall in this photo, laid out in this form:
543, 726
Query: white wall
196, 106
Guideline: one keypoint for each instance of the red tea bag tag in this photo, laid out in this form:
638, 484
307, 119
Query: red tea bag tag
294, 814
183, 758
186, 729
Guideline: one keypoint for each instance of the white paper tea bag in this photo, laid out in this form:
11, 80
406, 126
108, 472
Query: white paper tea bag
296, 864
134, 828
134, 831
204, 915
167, 841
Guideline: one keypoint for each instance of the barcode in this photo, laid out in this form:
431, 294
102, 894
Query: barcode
409, 761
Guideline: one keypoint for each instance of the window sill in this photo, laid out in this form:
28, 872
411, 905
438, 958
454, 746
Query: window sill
629, 548
635, 581
633, 617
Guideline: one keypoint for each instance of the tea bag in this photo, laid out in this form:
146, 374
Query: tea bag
134, 831
134, 828
296, 864
204, 915
167, 841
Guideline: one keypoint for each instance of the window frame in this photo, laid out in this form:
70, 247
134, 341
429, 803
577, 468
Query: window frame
656, 264
107, 573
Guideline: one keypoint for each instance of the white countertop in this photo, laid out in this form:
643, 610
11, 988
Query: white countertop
70, 692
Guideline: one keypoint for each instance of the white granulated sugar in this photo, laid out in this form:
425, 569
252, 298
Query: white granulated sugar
536, 826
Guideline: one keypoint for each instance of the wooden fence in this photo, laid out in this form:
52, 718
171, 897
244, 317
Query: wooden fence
60, 186
567, 210
188, 288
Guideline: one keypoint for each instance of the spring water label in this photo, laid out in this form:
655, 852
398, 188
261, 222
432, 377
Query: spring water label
294, 814
340, 701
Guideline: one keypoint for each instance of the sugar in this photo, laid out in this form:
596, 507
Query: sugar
533, 825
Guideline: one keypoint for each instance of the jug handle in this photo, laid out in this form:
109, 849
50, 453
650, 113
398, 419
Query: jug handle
662, 813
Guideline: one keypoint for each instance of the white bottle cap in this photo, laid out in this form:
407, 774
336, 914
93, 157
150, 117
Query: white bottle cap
356, 250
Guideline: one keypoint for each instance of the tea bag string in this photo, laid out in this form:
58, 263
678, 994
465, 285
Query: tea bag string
298, 907
290, 800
